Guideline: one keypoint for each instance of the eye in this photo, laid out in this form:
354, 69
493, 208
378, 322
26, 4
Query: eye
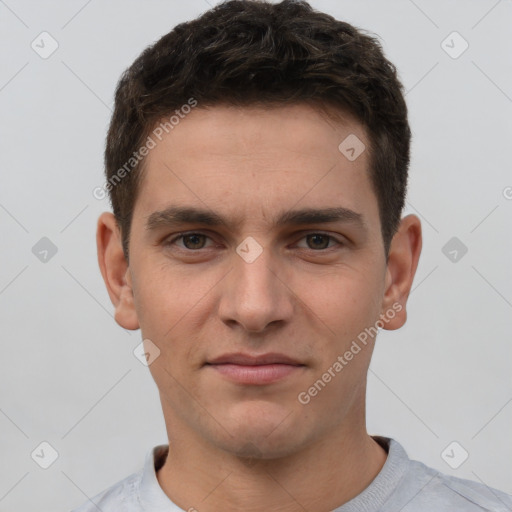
194, 241
191, 241
319, 241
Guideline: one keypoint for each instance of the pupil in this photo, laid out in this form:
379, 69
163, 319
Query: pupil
193, 237
324, 246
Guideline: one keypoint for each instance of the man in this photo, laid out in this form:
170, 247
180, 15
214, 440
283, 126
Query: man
257, 165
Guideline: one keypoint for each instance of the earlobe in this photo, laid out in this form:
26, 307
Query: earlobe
402, 263
115, 271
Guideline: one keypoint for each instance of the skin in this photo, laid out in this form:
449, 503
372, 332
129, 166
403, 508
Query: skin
245, 447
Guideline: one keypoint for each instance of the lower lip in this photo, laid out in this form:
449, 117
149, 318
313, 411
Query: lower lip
257, 374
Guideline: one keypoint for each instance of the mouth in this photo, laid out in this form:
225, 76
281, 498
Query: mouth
255, 369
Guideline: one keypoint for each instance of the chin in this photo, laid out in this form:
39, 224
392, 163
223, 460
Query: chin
262, 431
260, 447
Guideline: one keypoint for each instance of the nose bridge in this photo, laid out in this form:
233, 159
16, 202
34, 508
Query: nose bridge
256, 297
254, 269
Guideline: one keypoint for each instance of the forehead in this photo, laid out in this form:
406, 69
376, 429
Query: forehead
230, 130
254, 161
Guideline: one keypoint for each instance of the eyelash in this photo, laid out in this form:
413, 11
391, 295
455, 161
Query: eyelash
190, 233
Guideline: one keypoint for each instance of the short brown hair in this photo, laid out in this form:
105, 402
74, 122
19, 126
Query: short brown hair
251, 52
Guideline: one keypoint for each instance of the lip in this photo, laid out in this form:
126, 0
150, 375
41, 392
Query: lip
254, 360
255, 369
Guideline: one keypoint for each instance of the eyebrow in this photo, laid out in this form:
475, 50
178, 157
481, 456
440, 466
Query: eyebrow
176, 215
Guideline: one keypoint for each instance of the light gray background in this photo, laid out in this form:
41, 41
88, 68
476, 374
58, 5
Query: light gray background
68, 374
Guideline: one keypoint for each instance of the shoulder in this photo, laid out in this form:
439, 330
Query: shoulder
424, 488
120, 496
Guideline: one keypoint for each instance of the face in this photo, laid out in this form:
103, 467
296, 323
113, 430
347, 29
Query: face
256, 298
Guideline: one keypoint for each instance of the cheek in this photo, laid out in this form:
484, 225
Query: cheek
346, 303
343, 303
171, 303
167, 295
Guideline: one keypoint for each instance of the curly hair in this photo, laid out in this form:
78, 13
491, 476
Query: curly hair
256, 53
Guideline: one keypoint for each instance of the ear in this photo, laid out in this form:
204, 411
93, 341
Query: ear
115, 271
404, 254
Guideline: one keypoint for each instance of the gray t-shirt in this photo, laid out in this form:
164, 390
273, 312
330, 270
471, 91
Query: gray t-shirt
402, 485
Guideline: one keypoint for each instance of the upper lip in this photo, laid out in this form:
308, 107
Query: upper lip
254, 360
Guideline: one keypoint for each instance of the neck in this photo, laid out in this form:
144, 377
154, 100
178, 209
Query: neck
321, 477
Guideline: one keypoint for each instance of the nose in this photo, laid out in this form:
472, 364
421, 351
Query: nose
255, 294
